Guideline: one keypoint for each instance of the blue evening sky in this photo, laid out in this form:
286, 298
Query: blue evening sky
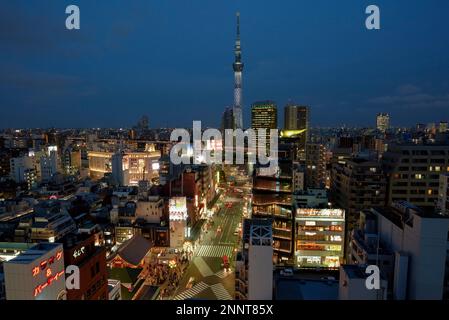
172, 60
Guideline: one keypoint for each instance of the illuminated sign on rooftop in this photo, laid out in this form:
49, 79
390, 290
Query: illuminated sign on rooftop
291, 133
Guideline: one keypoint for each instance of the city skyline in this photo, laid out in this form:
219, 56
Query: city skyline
133, 60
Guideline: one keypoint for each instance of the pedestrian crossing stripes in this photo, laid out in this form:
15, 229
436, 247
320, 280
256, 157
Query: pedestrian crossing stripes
220, 292
222, 274
190, 293
214, 251
203, 267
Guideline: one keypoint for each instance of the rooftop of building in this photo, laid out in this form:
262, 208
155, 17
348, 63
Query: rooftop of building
307, 285
134, 250
355, 271
35, 252
399, 211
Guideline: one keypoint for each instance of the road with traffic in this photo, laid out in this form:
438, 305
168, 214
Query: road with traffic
206, 277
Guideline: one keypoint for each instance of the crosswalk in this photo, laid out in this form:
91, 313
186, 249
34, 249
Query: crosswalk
190, 293
222, 274
220, 292
202, 267
214, 251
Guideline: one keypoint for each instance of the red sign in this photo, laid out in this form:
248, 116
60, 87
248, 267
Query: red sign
50, 279
45, 266
46, 263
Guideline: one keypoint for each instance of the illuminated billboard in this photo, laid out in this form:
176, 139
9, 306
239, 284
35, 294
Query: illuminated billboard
312, 213
177, 208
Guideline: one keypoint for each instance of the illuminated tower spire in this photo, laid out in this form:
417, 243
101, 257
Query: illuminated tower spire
238, 68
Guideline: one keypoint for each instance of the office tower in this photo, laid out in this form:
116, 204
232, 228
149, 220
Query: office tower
414, 172
238, 69
315, 165
408, 245
254, 264
443, 195
442, 127
320, 237
383, 122
296, 125
357, 184
264, 116
227, 119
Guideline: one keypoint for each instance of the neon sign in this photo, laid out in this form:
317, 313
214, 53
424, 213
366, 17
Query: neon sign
79, 252
50, 279
46, 263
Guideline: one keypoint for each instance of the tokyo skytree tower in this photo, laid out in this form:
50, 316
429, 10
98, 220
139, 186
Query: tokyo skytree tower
238, 69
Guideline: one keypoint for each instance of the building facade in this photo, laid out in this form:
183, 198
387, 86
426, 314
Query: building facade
319, 237
36, 274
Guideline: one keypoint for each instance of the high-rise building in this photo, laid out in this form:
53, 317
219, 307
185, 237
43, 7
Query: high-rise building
296, 123
357, 184
227, 119
315, 165
264, 116
238, 69
383, 122
414, 172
